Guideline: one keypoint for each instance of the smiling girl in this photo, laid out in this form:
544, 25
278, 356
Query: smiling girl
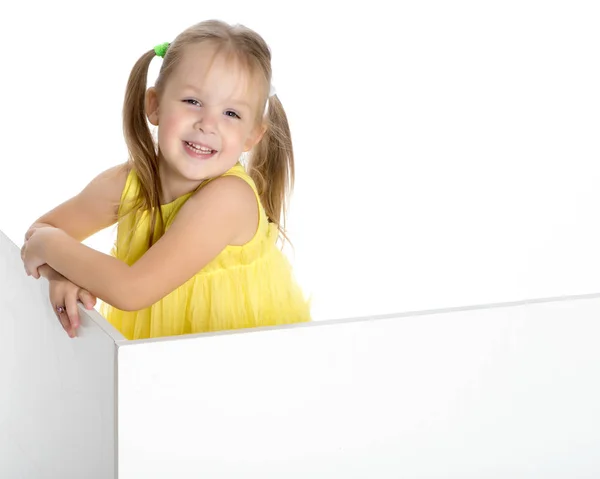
197, 231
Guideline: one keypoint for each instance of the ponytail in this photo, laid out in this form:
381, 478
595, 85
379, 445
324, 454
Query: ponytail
271, 165
143, 155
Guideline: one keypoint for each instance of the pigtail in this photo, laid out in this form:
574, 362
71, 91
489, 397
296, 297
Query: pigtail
271, 165
143, 155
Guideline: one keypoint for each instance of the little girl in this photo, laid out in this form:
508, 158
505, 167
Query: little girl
196, 236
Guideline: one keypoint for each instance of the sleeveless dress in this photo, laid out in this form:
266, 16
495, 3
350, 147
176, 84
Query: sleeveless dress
243, 287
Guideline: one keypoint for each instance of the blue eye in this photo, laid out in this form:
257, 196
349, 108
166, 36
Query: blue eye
233, 114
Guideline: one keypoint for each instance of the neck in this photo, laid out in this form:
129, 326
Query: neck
173, 185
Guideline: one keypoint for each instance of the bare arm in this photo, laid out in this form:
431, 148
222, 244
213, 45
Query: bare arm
88, 212
224, 212
93, 209
47, 272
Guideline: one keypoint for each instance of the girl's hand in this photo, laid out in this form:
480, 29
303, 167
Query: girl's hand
64, 295
32, 252
34, 227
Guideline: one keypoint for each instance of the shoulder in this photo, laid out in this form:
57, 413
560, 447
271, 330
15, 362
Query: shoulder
108, 185
112, 181
236, 187
232, 199
115, 175
227, 193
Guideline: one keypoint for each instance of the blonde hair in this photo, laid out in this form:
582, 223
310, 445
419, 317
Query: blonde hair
271, 161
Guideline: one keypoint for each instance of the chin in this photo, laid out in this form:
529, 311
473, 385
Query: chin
206, 169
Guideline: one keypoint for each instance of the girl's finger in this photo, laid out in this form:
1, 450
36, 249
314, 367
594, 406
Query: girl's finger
88, 300
64, 321
72, 313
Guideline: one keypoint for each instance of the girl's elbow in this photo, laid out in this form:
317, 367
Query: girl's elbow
129, 293
132, 300
127, 304
119, 302
123, 299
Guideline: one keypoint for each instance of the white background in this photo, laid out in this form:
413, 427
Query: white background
447, 152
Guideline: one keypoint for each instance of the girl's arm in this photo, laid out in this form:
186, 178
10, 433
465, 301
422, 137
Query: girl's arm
100, 274
93, 209
223, 212
47, 272
88, 212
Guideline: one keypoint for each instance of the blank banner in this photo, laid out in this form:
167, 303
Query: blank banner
497, 391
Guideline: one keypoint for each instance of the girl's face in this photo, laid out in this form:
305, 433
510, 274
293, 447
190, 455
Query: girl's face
205, 117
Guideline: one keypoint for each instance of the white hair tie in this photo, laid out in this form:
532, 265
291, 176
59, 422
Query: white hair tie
272, 93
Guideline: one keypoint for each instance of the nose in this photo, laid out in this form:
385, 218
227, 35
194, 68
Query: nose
206, 122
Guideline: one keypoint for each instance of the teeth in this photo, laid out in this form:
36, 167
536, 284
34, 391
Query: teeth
199, 148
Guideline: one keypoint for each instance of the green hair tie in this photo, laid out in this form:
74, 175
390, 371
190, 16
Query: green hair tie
161, 49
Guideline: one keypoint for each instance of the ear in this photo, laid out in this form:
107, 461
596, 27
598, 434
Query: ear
151, 105
255, 137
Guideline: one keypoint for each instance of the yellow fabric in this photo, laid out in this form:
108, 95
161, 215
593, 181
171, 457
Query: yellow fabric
243, 287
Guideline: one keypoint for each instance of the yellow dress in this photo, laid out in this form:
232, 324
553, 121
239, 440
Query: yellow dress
243, 287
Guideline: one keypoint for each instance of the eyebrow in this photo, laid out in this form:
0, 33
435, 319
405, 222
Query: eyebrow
232, 100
